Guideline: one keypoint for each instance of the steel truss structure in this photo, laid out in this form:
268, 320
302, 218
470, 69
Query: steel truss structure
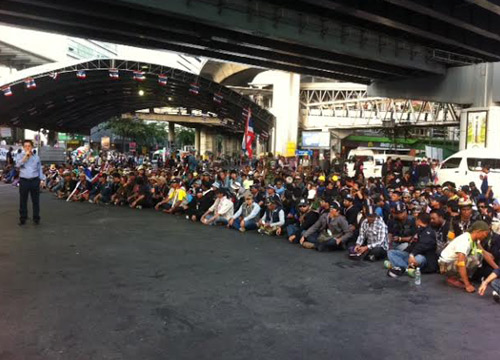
72, 104
353, 109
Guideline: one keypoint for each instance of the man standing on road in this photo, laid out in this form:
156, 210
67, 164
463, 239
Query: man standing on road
30, 174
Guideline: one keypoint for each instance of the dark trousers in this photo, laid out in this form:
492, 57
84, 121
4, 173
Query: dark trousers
29, 187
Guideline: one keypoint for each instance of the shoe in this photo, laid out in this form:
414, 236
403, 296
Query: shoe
242, 229
139, 207
387, 264
496, 297
37, 222
395, 272
371, 258
21, 222
260, 231
91, 201
410, 272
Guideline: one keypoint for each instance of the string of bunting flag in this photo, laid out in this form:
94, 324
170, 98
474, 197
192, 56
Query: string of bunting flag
162, 79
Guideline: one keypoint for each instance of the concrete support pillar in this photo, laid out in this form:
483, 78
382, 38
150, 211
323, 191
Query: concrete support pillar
197, 136
207, 141
171, 132
286, 91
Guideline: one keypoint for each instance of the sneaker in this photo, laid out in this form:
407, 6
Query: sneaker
496, 297
139, 207
242, 229
387, 264
410, 272
395, 272
260, 231
91, 201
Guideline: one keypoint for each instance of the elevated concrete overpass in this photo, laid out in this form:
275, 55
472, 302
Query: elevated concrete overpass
357, 41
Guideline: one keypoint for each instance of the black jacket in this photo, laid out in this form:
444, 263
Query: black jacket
426, 246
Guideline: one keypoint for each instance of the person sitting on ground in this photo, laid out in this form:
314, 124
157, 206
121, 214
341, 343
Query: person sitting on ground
174, 199
68, 185
83, 188
459, 224
460, 259
220, 212
441, 226
247, 215
307, 218
120, 197
494, 281
401, 229
273, 219
372, 242
420, 253
201, 202
330, 232
100, 191
142, 194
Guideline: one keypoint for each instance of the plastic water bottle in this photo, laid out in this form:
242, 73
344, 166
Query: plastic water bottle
418, 277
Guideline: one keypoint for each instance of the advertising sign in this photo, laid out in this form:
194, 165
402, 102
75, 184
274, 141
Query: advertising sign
315, 140
476, 129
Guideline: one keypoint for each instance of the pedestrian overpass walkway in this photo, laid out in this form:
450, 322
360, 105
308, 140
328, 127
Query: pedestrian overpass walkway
340, 106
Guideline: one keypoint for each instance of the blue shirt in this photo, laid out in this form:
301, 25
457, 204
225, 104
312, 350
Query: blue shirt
32, 168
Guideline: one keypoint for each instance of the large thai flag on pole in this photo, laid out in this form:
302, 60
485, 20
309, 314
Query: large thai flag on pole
249, 136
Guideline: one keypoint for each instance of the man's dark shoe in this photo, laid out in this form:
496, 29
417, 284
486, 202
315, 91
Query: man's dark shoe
395, 272
37, 222
21, 222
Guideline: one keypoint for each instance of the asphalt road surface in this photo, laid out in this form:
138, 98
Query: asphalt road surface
96, 282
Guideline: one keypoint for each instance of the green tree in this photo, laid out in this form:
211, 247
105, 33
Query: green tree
147, 134
185, 136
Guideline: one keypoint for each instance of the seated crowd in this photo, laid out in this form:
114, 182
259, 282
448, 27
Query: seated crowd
407, 224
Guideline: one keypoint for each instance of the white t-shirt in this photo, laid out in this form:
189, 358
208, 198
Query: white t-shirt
462, 244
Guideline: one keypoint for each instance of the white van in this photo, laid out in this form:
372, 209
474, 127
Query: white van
373, 161
466, 165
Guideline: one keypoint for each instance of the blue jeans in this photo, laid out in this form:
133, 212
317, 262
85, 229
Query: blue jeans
219, 221
495, 285
249, 224
400, 259
292, 229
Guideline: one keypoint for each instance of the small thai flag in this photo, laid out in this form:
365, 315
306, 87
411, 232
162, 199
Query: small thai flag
30, 83
114, 74
162, 80
245, 113
194, 89
80, 74
54, 75
6, 91
139, 75
218, 98
264, 134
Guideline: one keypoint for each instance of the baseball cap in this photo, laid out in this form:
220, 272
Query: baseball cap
303, 202
399, 208
479, 226
334, 205
370, 211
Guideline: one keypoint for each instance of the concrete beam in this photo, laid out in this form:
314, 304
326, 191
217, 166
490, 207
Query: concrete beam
476, 85
185, 120
289, 26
